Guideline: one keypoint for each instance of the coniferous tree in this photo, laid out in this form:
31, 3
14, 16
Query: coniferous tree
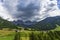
17, 36
33, 36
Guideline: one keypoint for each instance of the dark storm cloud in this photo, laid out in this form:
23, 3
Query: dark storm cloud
28, 11
32, 10
23, 9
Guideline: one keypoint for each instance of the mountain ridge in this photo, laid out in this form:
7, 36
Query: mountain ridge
6, 24
46, 24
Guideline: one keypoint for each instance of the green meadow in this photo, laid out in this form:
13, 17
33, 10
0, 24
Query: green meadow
6, 34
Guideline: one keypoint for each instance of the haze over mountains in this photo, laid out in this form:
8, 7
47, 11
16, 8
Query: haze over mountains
31, 13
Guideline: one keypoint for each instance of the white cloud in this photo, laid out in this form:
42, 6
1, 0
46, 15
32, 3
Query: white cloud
49, 11
54, 13
9, 9
4, 13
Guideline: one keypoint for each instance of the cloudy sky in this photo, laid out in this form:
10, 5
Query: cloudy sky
33, 10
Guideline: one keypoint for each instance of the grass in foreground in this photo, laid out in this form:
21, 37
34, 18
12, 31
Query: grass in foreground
29, 35
7, 35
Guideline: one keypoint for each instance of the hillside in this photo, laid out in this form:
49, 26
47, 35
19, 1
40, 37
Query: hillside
46, 24
6, 24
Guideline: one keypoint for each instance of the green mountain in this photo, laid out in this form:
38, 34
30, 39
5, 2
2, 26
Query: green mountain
49, 23
6, 24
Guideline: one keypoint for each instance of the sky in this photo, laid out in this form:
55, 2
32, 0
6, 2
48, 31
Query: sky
32, 10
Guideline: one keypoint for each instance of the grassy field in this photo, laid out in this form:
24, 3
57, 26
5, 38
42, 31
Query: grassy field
40, 35
7, 35
30, 35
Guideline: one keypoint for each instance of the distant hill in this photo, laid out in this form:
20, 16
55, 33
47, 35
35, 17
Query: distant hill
6, 24
25, 24
46, 24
